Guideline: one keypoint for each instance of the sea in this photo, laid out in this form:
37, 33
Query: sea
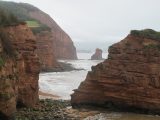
62, 84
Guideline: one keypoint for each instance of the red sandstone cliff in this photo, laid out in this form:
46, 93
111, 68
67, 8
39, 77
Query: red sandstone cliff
19, 71
57, 44
130, 77
45, 51
8, 80
63, 45
97, 55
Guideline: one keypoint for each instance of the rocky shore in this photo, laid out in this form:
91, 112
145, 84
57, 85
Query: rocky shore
63, 67
48, 109
45, 110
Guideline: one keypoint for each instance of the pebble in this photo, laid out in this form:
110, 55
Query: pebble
47, 110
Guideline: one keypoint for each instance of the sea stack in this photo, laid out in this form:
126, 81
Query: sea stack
129, 78
97, 55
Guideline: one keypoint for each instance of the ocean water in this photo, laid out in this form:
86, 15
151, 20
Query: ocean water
62, 84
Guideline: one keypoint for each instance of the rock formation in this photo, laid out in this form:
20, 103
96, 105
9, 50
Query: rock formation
45, 51
129, 78
8, 73
60, 45
19, 69
97, 55
63, 45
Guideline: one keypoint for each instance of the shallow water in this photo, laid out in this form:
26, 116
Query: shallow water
122, 116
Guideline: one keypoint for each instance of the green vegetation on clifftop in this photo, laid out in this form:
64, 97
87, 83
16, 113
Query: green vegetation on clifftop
146, 33
22, 12
32, 24
7, 18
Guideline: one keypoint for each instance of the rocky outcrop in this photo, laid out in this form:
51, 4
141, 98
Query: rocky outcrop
19, 70
129, 78
97, 55
45, 51
63, 45
60, 45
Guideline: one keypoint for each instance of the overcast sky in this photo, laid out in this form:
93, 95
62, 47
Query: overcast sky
99, 23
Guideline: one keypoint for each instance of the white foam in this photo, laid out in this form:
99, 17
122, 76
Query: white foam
63, 83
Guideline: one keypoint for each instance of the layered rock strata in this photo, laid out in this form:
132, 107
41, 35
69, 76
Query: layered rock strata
45, 51
20, 69
97, 55
60, 45
130, 77
8, 81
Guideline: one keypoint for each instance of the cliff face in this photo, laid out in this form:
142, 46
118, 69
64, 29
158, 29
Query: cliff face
63, 45
60, 45
97, 55
8, 80
130, 77
45, 51
19, 70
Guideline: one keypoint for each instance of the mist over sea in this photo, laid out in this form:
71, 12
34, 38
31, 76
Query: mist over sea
62, 84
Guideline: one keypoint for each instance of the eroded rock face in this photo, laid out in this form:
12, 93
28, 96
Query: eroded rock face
8, 80
45, 46
19, 72
63, 45
60, 45
97, 55
130, 77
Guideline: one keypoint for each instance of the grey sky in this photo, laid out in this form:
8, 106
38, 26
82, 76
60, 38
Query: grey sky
99, 23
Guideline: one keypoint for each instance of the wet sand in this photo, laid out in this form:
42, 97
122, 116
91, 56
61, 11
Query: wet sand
43, 95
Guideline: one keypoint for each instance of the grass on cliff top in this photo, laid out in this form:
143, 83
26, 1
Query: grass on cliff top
37, 27
32, 24
21, 12
7, 18
146, 33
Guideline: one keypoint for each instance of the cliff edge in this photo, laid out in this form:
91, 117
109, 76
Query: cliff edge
63, 45
129, 78
51, 41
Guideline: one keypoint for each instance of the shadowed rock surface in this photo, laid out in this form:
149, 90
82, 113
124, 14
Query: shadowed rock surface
129, 78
